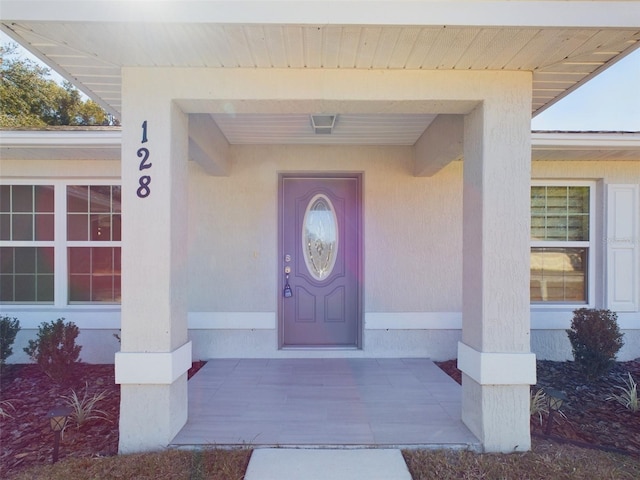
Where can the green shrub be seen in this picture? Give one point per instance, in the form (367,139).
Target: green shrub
(595,340)
(55,350)
(9,328)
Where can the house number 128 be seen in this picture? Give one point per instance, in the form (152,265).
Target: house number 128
(143,153)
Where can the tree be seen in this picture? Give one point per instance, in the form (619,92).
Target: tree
(28,98)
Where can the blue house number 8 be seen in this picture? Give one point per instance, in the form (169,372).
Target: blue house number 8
(143,153)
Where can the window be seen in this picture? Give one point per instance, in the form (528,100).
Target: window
(560,244)
(93,225)
(60,244)
(26,248)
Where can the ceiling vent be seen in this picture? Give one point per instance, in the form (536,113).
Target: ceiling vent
(323,124)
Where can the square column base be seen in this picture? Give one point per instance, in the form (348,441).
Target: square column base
(498,415)
(495,397)
(151,415)
(153,397)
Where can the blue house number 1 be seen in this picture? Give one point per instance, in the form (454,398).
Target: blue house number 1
(143,190)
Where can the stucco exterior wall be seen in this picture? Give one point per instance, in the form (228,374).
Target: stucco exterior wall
(412,230)
(412,243)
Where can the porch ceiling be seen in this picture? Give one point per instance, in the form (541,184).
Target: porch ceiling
(89,42)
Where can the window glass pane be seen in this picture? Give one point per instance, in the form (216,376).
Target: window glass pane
(556,200)
(117,255)
(25,288)
(100,227)
(102,261)
(556,228)
(320,237)
(30,277)
(6,259)
(22,226)
(79,260)
(79,288)
(560,213)
(5,226)
(538,228)
(25,260)
(115,198)
(102,288)
(92,274)
(44,198)
(77,198)
(6,288)
(117,290)
(100,198)
(77,226)
(22,198)
(538,200)
(558,275)
(44,260)
(578,228)
(44,226)
(117,228)
(45,288)
(5,198)
(578,199)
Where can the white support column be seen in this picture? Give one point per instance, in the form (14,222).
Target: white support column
(495,337)
(155,353)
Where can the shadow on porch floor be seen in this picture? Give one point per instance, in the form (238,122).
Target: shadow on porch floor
(353,403)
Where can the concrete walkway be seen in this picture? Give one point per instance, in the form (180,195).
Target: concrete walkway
(326,464)
(324,403)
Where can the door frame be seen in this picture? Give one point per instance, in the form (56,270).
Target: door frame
(358,176)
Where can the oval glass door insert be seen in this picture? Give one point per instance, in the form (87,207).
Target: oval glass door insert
(320,237)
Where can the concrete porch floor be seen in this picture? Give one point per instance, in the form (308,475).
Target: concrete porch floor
(347,403)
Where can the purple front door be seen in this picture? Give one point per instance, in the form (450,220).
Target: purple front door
(320,261)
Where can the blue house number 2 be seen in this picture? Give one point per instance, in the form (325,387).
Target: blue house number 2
(144,190)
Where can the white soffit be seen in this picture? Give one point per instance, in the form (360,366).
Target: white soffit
(61,144)
(349,129)
(585,146)
(564,43)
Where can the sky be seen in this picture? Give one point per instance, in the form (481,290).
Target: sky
(608,102)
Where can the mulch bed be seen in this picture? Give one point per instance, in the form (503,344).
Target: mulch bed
(589,418)
(25,436)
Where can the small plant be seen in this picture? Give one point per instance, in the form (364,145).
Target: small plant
(9,328)
(595,340)
(538,404)
(55,349)
(629,396)
(4,406)
(84,409)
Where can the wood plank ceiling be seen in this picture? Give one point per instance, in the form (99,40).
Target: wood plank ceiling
(560,59)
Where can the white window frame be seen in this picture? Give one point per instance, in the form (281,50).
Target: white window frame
(590,245)
(61,246)
(34,244)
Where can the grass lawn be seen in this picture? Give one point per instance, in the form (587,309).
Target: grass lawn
(167,465)
(546,461)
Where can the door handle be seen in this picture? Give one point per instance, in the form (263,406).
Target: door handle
(287,292)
